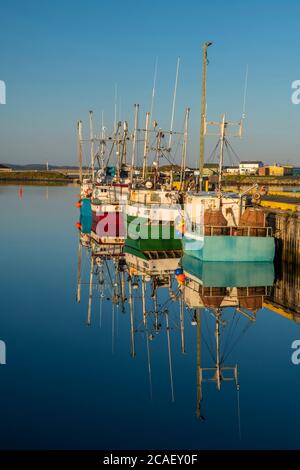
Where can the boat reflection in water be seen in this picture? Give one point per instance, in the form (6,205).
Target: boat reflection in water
(285,294)
(150,272)
(224,292)
(218,300)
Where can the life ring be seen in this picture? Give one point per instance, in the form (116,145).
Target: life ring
(256,197)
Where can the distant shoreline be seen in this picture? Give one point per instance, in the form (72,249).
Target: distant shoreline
(36,177)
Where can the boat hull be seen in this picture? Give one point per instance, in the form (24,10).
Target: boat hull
(86,216)
(145,236)
(229,274)
(230,248)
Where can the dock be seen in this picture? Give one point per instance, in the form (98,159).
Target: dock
(281,200)
(286,228)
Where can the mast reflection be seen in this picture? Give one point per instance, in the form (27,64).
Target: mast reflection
(220,300)
(223,292)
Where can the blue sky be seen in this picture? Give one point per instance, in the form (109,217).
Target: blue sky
(61,58)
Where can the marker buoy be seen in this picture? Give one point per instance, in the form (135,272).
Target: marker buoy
(178,271)
(181,278)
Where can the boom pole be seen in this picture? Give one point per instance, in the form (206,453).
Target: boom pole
(79,128)
(203,109)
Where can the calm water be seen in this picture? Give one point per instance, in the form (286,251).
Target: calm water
(68,385)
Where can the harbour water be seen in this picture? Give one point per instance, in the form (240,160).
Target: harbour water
(68,384)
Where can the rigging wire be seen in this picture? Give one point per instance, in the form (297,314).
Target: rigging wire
(238,339)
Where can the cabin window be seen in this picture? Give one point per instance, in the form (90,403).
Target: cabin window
(155,197)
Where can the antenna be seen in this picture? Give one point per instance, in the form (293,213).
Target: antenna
(154,87)
(120,108)
(92,145)
(116,103)
(245,92)
(174,101)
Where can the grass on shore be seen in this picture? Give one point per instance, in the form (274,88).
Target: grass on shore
(33,176)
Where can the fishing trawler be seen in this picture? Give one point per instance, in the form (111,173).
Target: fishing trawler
(106,187)
(222,228)
(110,190)
(219,226)
(154,208)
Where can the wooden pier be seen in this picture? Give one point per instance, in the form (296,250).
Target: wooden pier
(285,295)
(286,227)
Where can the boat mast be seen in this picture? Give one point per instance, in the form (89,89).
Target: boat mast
(79,129)
(157,155)
(92,145)
(182,323)
(155,308)
(218,361)
(145,321)
(133,156)
(203,109)
(102,141)
(115,110)
(123,291)
(222,134)
(118,147)
(124,144)
(90,291)
(131,305)
(144,301)
(184,147)
(170,356)
(146,146)
(218,376)
(173,105)
(221,160)
(153,88)
(199,372)
(78,295)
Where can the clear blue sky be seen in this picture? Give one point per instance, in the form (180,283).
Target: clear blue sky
(61,58)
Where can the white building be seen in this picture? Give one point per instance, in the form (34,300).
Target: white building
(5,168)
(232,170)
(250,167)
